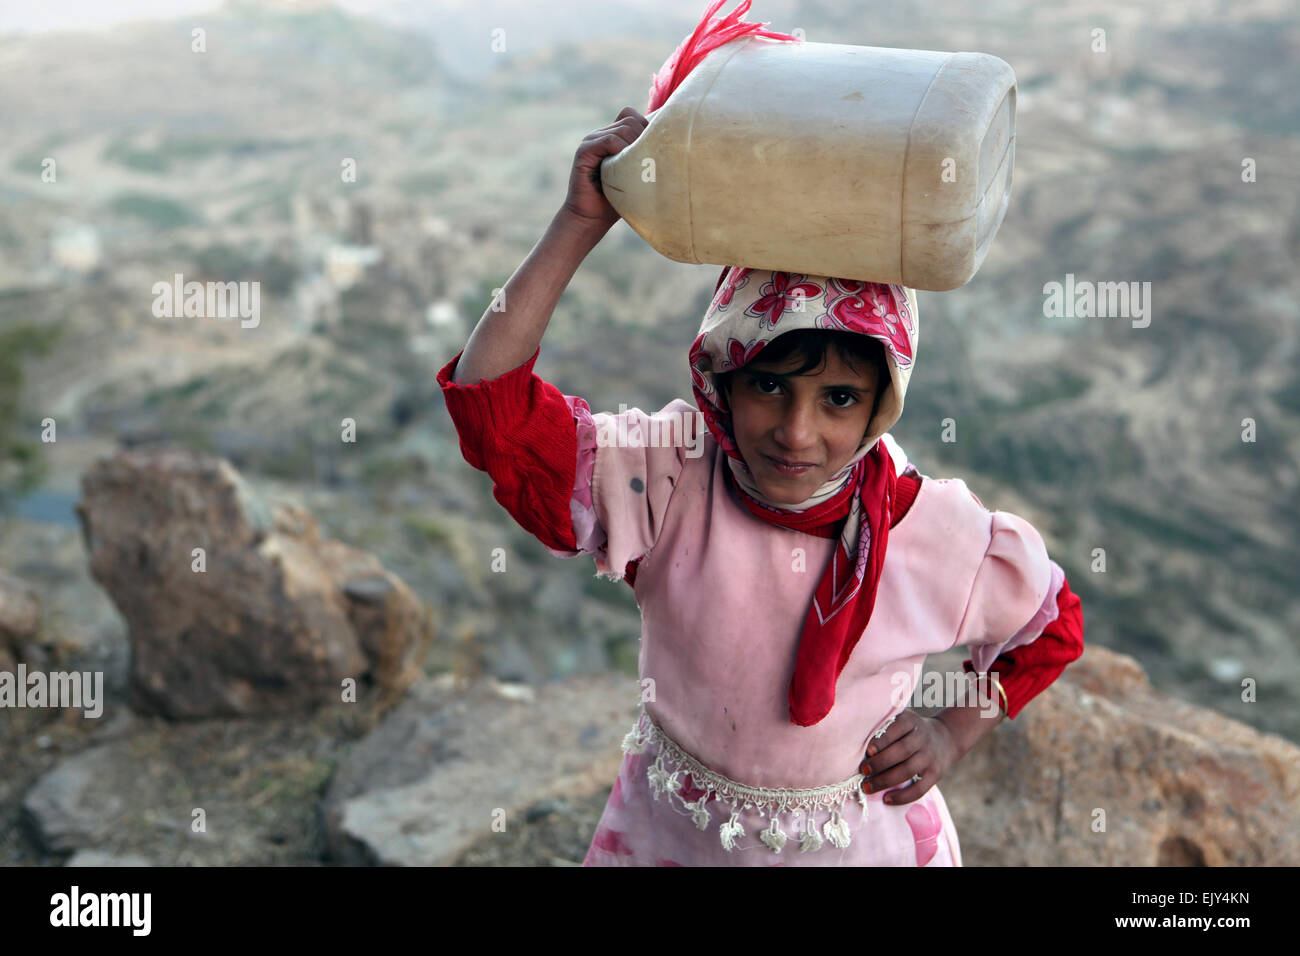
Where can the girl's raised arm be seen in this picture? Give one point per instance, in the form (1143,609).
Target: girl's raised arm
(504,339)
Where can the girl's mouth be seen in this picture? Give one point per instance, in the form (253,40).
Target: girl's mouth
(783,468)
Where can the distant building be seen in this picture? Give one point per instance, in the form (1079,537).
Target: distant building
(436,226)
(346,265)
(75,246)
(446,329)
(442,313)
(318,302)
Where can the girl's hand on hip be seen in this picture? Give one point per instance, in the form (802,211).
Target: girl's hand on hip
(912,744)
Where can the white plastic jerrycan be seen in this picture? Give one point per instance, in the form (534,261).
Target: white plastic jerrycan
(821,158)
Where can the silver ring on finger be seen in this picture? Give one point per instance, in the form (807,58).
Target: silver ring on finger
(916,778)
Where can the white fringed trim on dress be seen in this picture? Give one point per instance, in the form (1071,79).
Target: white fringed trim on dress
(664,776)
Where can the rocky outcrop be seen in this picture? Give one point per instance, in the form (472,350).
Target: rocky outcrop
(450,766)
(233,607)
(20,618)
(1101,770)
(423,784)
(96,858)
(70,807)
(218,792)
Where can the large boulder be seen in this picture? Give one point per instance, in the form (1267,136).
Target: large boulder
(458,764)
(233,607)
(70,807)
(1102,770)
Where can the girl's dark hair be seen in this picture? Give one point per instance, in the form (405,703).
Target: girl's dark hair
(812,344)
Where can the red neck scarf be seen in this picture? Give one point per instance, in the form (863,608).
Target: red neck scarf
(846,594)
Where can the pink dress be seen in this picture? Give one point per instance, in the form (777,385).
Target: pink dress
(714,772)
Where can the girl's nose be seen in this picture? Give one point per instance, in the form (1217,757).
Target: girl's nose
(795,431)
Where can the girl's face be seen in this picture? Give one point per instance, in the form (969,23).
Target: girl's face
(814,422)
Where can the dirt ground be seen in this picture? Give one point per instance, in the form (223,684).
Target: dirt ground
(260,782)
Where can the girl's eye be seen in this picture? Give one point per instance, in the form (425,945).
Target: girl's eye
(852,399)
(758,381)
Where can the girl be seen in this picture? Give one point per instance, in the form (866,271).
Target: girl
(779,646)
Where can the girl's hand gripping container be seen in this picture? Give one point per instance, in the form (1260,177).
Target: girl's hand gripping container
(859,162)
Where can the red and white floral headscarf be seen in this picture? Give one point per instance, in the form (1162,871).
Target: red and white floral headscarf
(750,308)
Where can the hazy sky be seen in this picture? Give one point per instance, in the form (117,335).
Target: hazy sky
(85,14)
(72,14)
(458,29)
(18,16)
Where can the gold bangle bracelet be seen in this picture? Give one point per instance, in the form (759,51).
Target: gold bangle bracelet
(998,684)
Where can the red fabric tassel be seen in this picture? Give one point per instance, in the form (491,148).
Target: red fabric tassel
(707,37)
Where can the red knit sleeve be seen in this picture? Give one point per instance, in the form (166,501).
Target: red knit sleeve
(520,430)
(1027,670)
